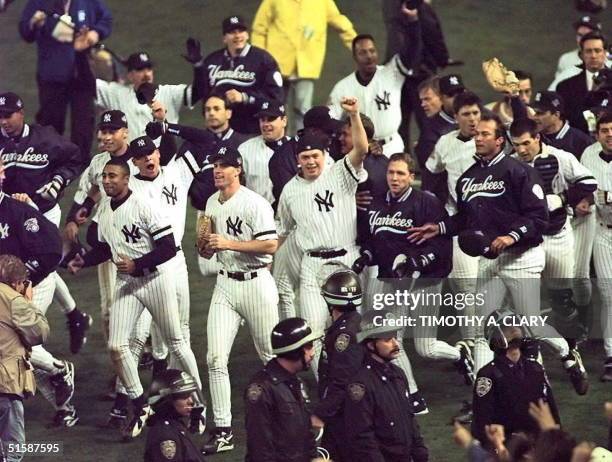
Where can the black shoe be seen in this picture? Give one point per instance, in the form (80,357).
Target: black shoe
(159,366)
(607,374)
(65,418)
(134,427)
(419,406)
(221,440)
(78,325)
(572,364)
(117,419)
(63,384)
(465,364)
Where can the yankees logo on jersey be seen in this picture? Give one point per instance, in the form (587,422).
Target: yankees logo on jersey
(131,235)
(325,203)
(170,194)
(4,230)
(471,188)
(383,102)
(393,223)
(234,226)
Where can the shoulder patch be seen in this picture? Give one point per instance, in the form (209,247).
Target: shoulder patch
(168,449)
(31,225)
(356,391)
(254,392)
(483,386)
(342,342)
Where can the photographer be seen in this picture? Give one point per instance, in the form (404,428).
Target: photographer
(22,326)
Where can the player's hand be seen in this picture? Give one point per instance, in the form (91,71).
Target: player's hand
(582,452)
(28,292)
(375,148)
(316,422)
(71,232)
(22,197)
(156,129)
(217,242)
(583,208)
(233,96)
(411,14)
(194,51)
(496,435)
(85,39)
(363,198)
(158,110)
(350,105)
(608,410)
(420,234)
(52,189)
(500,243)
(540,412)
(125,265)
(76,264)
(462,435)
(81,215)
(38,19)
(360,263)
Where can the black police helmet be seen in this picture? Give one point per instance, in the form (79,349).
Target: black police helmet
(342,290)
(169,384)
(377,324)
(291,335)
(504,320)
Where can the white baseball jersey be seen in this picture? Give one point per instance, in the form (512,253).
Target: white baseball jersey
(602,171)
(131,227)
(322,212)
(454,156)
(169,190)
(256,155)
(246,216)
(379,99)
(113,95)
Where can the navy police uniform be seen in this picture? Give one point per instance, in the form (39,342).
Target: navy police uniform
(167,440)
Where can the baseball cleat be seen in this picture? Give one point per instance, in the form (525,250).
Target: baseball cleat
(607,374)
(134,428)
(117,419)
(221,440)
(572,364)
(63,384)
(78,325)
(65,418)
(465,364)
(419,406)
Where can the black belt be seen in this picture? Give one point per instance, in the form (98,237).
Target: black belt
(383,141)
(146,271)
(327,253)
(239,276)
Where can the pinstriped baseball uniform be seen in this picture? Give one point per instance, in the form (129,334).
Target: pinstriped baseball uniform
(130,228)
(379,100)
(113,95)
(245,216)
(584,236)
(323,215)
(455,155)
(256,154)
(601,166)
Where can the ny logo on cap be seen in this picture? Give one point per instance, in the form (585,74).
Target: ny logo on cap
(141,142)
(234,19)
(555,102)
(143,57)
(123,119)
(107,117)
(281,108)
(538,96)
(222,151)
(19,103)
(604,103)
(265,105)
(453,80)
(2,101)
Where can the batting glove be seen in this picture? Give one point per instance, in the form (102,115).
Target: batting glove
(194,51)
(364,260)
(156,129)
(51,190)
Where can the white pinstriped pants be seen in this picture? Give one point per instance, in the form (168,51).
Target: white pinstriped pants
(463,280)
(584,235)
(255,301)
(602,257)
(559,252)
(286,271)
(107,275)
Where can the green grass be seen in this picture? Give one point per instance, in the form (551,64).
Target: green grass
(528,35)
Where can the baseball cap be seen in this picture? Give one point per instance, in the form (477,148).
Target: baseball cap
(10,102)
(226,155)
(271,108)
(310,141)
(476,243)
(318,117)
(587,21)
(139,60)
(141,146)
(600,100)
(232,23)
(451,84)
(548,101)
(112,119)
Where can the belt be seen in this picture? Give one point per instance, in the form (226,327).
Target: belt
(238,276)
(178,248)
(333,253)
(146,271)
(605,226)
(384,141)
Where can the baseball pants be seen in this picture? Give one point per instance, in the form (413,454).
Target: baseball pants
(463,281)
(602,253)
(254,301)
(286,271)
(107,275)
(559,255)
(584,236)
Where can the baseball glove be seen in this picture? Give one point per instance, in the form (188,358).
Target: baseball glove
(204,228)
(499,77)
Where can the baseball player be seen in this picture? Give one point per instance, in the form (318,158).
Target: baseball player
(140,242)
(41,163)
(114,95)
(597,159)
(566,182)
(244,240)
(246,74)
(318,205)
(502,198)
(379,88)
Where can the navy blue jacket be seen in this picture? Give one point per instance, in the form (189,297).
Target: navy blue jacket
(500,197)
(56,60)
(569,139)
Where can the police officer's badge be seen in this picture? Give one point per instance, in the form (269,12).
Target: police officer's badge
(483,386)
(342,342)
(168,449)
(356,391)
(31,225)
(254,392)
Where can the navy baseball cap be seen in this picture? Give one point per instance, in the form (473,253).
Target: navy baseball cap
(138,61)
(232,23)
(476,243)
(141,146)
(548,101)
(309,142)
(10,102)
(318,117)
(587,21)
(112,119)
(226,155)
(451,84)
(271,108)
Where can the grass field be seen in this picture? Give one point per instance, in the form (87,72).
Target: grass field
(524,34)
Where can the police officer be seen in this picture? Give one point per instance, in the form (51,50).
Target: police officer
(172,398)
(277,422)
(379,423)
(341,358)
(507,385)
